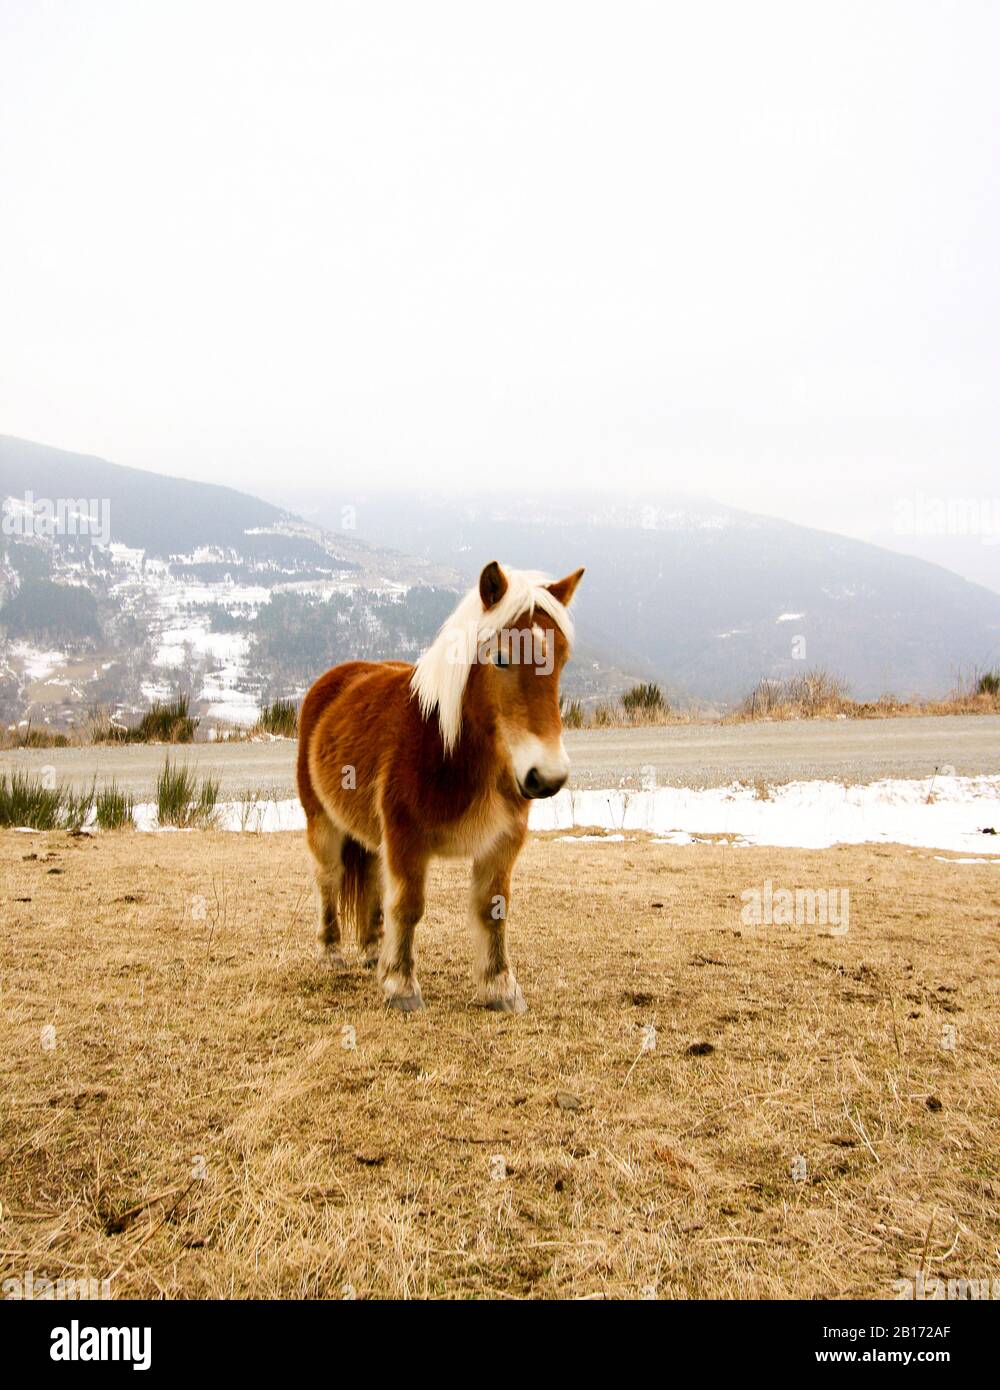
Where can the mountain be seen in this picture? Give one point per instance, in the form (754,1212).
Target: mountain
(709,599)
(118,587)
(147,510)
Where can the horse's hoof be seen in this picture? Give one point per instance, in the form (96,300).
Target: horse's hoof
(405,1003)
(332,961)
(370,962)
(508,1004)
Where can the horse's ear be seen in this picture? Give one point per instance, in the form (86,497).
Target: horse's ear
(564,589)
(492,584)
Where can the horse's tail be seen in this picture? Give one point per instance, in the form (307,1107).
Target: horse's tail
(357,897)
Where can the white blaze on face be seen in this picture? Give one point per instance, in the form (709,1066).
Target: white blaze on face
(549,759)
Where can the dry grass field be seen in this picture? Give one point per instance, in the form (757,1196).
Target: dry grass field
(178,1110)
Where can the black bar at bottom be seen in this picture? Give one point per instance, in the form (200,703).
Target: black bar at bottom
(169,1339)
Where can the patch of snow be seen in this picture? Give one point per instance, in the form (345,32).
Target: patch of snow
(264,816)
(945,859)
(36,663)
(230,705)
(229,647)
(126,555)
(806,815)
(153,692)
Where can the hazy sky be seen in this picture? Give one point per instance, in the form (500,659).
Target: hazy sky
(745,248)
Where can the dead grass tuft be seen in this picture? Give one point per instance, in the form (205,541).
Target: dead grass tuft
(819,695)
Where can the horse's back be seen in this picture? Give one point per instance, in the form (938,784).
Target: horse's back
(345,720)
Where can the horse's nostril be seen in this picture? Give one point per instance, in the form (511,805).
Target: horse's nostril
(535,785)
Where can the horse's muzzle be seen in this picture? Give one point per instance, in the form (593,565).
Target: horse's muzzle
(535,786)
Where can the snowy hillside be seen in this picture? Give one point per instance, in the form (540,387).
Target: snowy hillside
(99,606)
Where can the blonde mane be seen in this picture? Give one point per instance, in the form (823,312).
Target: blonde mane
(442,673)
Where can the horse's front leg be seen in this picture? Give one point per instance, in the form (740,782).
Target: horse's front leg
(496,986)
(404,872)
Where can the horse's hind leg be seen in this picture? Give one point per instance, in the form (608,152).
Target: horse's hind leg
(372,924)
(496,985)
(325,842)
(361,898)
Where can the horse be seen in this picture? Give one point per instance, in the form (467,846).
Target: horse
(398,763)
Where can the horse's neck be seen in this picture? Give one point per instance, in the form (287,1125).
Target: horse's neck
(478,745)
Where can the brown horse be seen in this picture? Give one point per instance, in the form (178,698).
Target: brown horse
(398,763)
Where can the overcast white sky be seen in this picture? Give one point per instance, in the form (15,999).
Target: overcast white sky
(744,248)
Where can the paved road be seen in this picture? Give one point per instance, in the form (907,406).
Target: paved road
(693,755)
(856,750)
